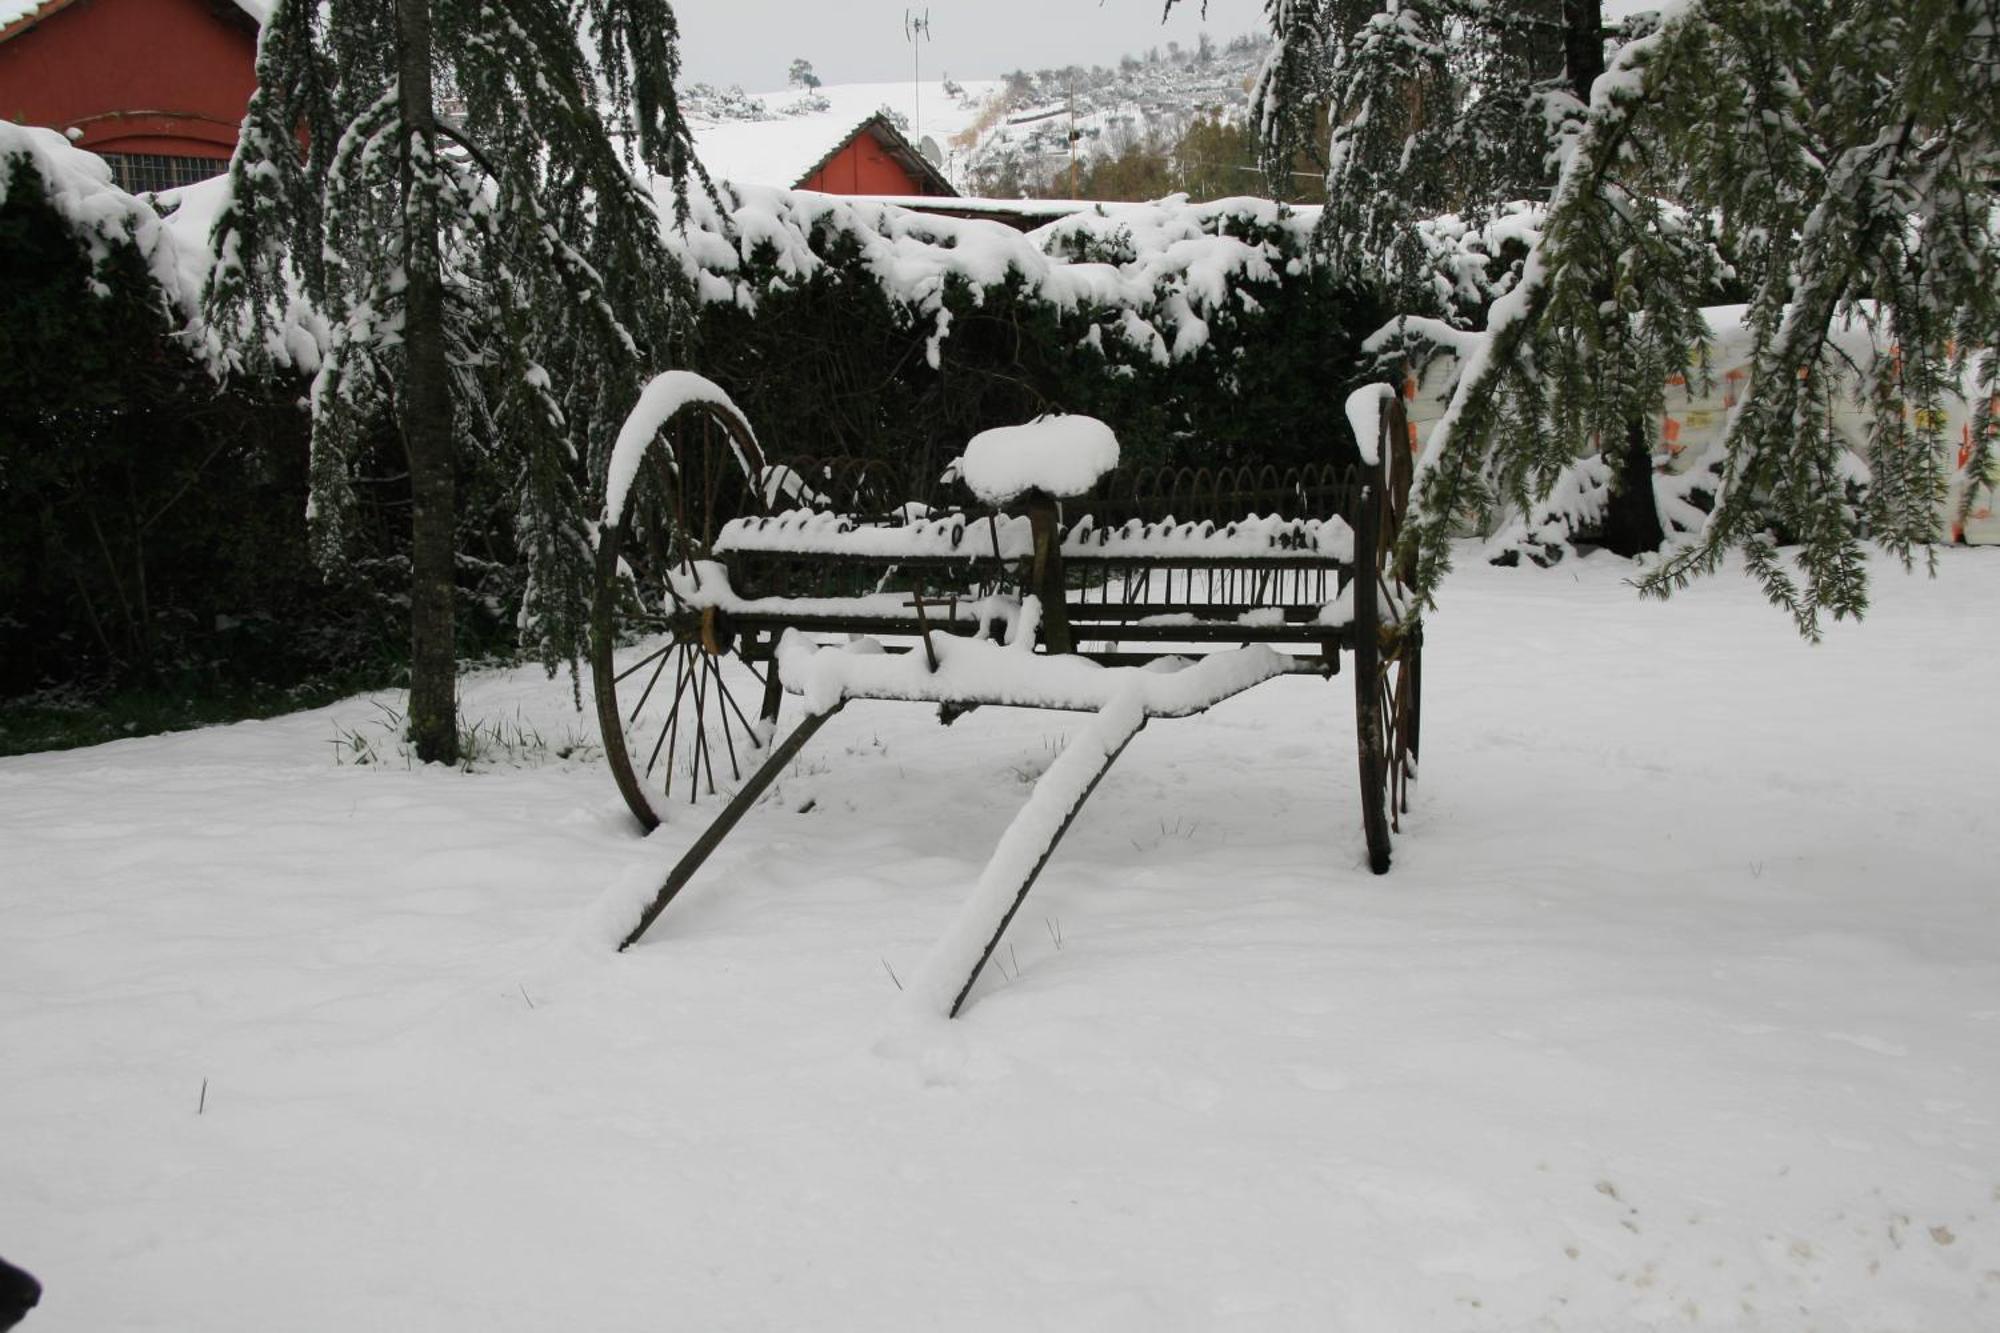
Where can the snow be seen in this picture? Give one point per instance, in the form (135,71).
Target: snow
(175,247)
(78,186)
(947,972)
(664,396)
(1058,455)
(1680,1001)
(1174,269)
(1364,418)
(780,150)
(977,670)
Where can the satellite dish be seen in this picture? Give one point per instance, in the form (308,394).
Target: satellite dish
(932,153)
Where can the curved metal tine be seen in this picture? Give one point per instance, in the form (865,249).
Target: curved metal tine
(1225,499)
(1270,487)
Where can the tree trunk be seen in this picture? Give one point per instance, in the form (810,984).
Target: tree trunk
(1631,514)
(424,409)
(1583,45)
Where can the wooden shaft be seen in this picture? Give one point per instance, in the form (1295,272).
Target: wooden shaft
(1021,894)
(1046,578)
(739,806)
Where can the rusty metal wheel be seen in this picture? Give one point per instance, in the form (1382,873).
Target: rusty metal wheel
(674,695)
(1388,676)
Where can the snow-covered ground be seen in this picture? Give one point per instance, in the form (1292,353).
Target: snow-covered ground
(1679,1009)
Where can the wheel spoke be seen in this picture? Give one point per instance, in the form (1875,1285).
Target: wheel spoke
(728,736)
(647,693)
(700,722)
(662,652)
(673,723)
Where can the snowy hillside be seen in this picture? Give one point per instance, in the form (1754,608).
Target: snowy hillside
(1025,131)
(1678,1010)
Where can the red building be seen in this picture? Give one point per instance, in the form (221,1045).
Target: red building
(872,158)
(157,87)
(875,158)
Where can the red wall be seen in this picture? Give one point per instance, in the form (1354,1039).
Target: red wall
(863,168)
(136,76)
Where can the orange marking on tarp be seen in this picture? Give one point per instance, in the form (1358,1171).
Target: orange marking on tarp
(1670,429)
(1411,427)
(1677,381)
(1410,387)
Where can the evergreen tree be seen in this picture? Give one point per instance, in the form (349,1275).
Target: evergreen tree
(454,184)
(1846,155)
(1433,107)
(1850,153)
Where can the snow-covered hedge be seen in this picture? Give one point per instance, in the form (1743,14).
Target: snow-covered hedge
(1202,332)
(78,186)
(150,516)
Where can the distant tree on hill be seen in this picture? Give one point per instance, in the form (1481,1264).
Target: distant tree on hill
(801,75)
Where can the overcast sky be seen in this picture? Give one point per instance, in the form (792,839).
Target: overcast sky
(753,42)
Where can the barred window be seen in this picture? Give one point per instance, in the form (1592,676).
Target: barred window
(138,173)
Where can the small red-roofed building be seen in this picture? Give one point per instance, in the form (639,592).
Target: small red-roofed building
(871,158)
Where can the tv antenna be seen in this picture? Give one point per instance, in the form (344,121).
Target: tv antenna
(913,28)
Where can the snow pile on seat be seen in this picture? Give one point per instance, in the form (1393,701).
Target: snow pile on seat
(1057,455)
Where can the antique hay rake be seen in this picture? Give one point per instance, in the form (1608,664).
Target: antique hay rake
(1150,592)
